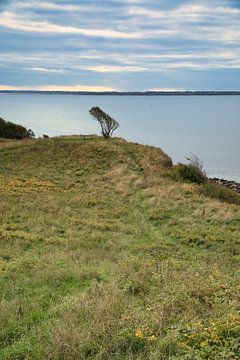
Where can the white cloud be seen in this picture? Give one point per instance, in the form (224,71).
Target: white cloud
(141,26)
(142,22)
(59,88)
(15,22)
(73,63)
(46,6)
(115,68)
(186,22)
(191,12)
(41,69)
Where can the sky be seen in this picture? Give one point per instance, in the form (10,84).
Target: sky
(123,45)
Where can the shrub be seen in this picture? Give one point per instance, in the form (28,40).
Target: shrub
(9,130)
(189,173)
(192,172)
(220,193)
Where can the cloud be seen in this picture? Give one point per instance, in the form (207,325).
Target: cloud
(59,88)
(52,6)
(101,63)
(190,12)
(47,6)
(128,41)
(41,69)
(115,68)
(202,22)
(23,23)
(187,21)
(169,25)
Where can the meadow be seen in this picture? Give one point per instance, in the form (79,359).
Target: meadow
(106,254)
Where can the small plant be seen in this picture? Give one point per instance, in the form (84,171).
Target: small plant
(192,172)
(107,123)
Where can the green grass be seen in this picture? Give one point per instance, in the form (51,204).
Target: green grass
(103,256)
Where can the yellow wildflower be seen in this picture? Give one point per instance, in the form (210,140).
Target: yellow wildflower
(139,334)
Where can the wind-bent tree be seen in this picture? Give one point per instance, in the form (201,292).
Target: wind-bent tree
(107,123)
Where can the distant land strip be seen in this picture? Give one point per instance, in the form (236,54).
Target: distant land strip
(125,93)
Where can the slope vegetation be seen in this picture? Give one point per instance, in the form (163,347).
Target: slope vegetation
(103,255)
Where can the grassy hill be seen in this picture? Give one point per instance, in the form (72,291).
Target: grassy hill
(103,255)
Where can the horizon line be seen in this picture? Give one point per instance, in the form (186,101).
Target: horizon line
(116,91)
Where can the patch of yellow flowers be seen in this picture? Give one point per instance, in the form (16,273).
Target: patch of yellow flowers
(148,335)
(214,334)
(17,185)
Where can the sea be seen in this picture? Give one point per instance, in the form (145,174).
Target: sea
(183,126)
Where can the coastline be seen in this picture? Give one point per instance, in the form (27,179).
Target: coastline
(231,184)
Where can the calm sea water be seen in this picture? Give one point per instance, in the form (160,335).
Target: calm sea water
(207,126)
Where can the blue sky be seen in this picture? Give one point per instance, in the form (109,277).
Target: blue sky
(123,45)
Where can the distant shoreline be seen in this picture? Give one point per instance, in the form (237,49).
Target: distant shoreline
(125,93)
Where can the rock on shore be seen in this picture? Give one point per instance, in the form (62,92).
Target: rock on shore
(227,183)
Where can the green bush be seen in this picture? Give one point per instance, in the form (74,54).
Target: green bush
(220,193)
(190,173)
(9,130)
